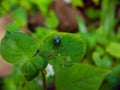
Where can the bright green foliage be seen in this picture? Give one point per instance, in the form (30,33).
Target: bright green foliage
(33,85)
(100,50)
(26,4)
(108,16)
(20,20)
(118,33)
(71,49)
(15,80)
(92,13)
(104,62)
(32,67)
(81,25)
(14,26)
(96,1)
(79,77)
(77,3)
(9,5)
(114,49)
(20,16)
(17,47)
(101,38)
(51,21)
(42,31)
(6,6)
(42,5)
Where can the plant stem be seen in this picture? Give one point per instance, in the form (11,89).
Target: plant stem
(43,72)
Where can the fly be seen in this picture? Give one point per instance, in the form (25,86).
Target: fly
(57,41)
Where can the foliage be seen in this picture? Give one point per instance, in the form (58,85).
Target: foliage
(17,42)
(82,77)
(64,52)
(85,60)
(17,47)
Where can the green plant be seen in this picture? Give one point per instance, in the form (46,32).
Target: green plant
(19,48)
(13,7)
(103,43)
(82,61)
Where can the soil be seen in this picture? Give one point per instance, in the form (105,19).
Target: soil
(5,68)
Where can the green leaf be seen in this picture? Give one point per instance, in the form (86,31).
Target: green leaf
(33,85)
(20,16)
(17,47)
(77,3)
(96,1)
(108,16)
(42,5)
(5,6)
(100,50)
(104,62)
(92,13)
(106,86)
(51,21)
(32,67)
(118,33)
(41,32)
(102,40)
(13,27)
(113,78)
(15,80)
(71,49)
(79,77)
(45,60)
(26,4)
(81,25)
(114,49)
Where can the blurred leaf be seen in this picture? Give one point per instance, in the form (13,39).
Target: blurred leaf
(113,78)
(118,33)
(5,6)
(15,80)
(100,50)
(102,40)
(20,16)
(92,13)
(107,61)
(104,62)
(45,64)
(42,5)
(81,25)
(71,49)
(89,39)
(13,27)
(106,86)
(42,32)
(79,77)
(33,85)
(96,1)
(17,47)
(77,3)
(32,67)
(108,16)
(114,49)
(9,84)
(26,3)
(51,21)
